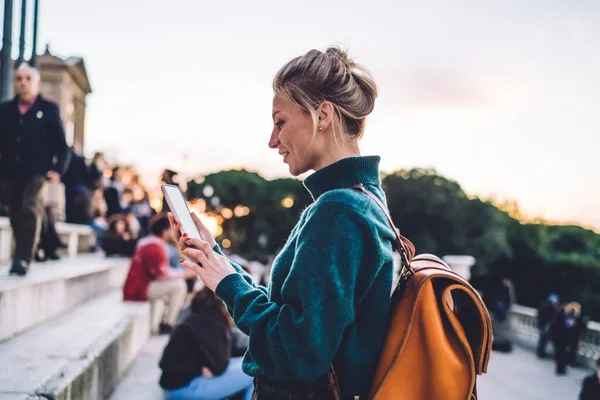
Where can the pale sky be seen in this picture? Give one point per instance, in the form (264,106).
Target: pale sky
(501,96)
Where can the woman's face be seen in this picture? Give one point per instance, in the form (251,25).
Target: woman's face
(292,135)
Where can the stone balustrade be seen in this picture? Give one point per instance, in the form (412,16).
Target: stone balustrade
(523,328)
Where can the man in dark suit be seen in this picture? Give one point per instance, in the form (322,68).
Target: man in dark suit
(590,390)
(32,149)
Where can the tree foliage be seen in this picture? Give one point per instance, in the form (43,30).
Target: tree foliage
(439,218)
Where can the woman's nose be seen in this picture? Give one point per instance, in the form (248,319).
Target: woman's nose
(274,140)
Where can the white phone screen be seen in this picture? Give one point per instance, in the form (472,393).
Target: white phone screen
(178,207)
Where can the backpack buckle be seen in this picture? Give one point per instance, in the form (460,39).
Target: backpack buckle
(402,284)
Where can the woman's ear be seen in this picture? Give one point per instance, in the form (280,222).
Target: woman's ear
(325,115)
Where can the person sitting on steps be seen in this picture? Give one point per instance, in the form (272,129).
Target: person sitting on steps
(150,276)
(197,363)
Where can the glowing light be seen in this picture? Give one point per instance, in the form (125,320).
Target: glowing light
(246,210)
(227,213)
(226,243)
(208,191)
(211,223)
(239,211)
(288,202)
(197,206)
(156,203)
(219,231)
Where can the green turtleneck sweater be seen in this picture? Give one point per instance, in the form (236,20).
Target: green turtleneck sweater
(329,297)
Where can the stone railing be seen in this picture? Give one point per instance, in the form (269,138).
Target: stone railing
(524,330)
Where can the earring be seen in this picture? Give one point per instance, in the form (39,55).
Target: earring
(320,127)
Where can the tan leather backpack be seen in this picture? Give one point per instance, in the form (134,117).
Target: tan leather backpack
(440,333)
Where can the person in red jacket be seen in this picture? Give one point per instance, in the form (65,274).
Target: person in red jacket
(150,276)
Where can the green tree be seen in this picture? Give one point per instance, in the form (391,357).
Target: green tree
(268,216)
(439,218)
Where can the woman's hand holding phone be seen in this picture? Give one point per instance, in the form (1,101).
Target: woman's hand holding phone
(208,265)
(203,230)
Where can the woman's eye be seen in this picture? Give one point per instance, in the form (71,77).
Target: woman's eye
(279,124)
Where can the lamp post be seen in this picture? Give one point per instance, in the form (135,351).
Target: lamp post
(22,33)
(33,61)
(6,63)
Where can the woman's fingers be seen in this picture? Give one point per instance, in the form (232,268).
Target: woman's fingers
(204,232)
(175,226)
(197,257)
(182,240)
(192,266)
(200,255)
(198,223)
(199,244)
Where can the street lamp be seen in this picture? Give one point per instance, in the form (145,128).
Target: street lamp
(33,61)
(22,33)
(6,63)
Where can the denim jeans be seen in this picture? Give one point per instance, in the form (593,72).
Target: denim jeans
(99,230)
(230,382)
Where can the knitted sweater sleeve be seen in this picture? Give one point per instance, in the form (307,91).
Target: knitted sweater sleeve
(298,339)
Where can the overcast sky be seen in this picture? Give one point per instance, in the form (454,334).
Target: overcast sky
(501,96)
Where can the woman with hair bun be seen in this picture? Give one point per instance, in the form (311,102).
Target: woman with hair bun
(328,302)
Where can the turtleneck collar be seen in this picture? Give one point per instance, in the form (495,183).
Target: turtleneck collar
(343,174)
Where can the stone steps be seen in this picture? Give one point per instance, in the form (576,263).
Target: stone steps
(81,354)
(141,381)
(54,287)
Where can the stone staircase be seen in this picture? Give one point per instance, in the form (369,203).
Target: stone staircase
(65,332)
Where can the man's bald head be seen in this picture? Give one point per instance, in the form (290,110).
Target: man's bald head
(27,81)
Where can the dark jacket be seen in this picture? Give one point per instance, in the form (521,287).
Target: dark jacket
(94,177)
(590,389)
(561,333)
(203,339)
(76,172)
(33,143)
(546,314)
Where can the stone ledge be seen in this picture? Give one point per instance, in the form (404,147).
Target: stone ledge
(79,238)
(80,355)
(52,288)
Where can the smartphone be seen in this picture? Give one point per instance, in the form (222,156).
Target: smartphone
(179,208)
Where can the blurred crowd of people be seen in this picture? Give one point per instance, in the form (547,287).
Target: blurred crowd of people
(109,198)
(203,356)
(561,324)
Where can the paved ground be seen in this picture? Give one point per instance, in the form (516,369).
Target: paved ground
(521,376)
(515,376)
(141,381)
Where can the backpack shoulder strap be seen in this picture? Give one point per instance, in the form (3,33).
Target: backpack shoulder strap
(404,246)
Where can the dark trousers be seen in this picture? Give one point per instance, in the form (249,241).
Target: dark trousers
(23,195)
(49,238)
(266,389)
(542,343)
(561,356)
